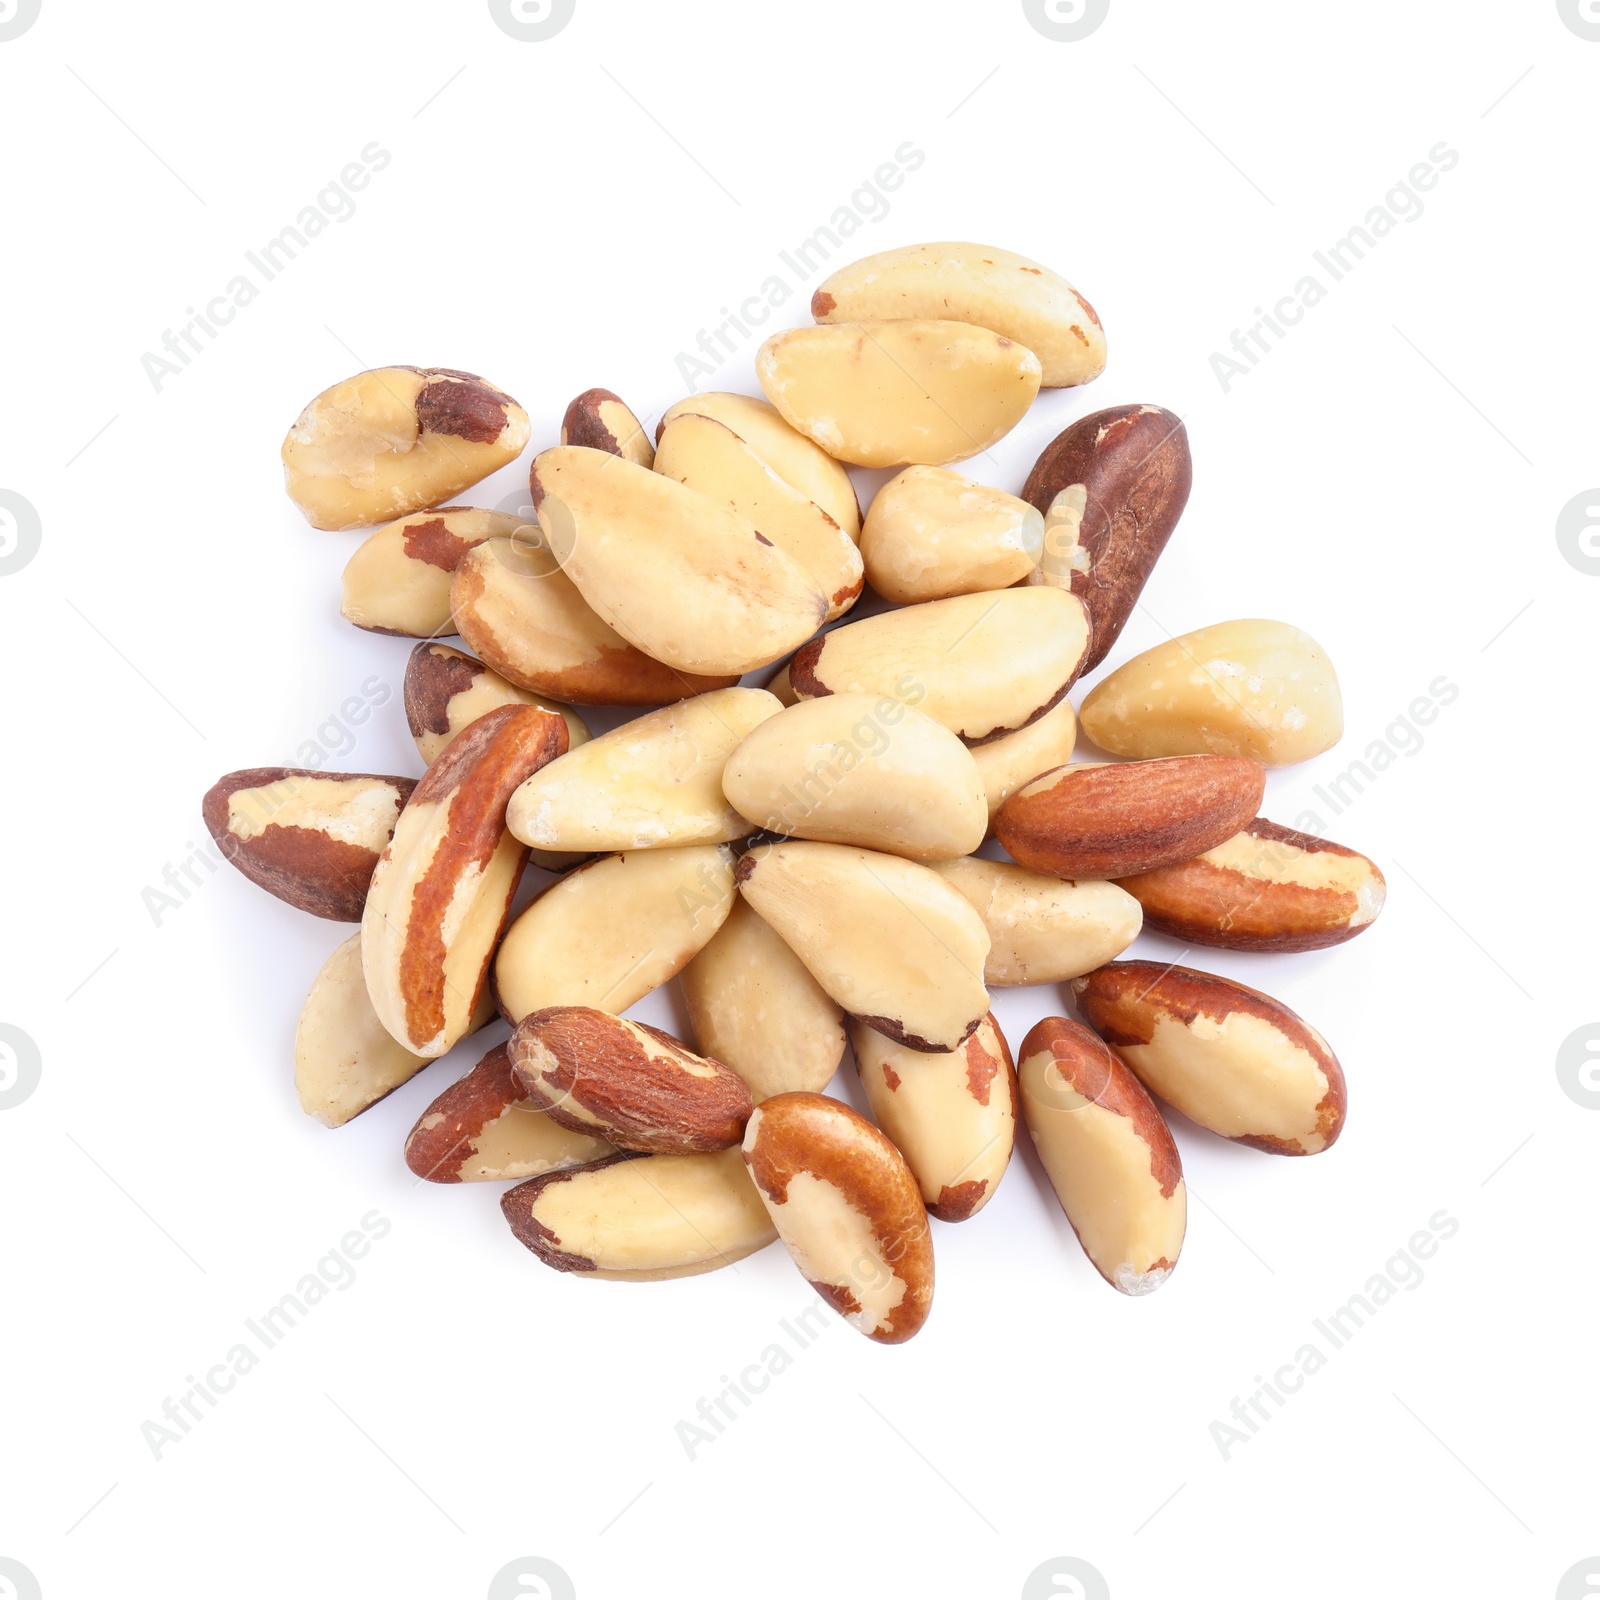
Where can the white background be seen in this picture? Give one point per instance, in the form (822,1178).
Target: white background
(568,213)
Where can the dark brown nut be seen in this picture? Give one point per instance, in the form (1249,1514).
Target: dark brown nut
(599,420)
(311,838)
(398,581)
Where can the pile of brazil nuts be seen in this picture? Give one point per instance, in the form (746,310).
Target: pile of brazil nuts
(804,857)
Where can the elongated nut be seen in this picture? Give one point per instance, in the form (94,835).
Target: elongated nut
(395,440)
(1111,487)
(310,838)
(885,393)
(640,1219)
(522,614)
(708,456)
(888,940)
(753,1005)
(610,932)
(1108,1153)
(1253,688)
(953,1116)
(1010,761)
(398,581)
(442,890)
(1042,930)
(653,782)
(446,691)
(1266,888)
(683,578)
(483,1128)
(1230,1058)
(982,664)
(930,534)
(847,1209)
(974,283)
(1109,821)
(599,420)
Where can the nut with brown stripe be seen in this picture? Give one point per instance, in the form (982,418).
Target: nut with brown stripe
(398,581)
(599,420)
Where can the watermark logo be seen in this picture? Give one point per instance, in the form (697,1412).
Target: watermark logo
(1581,1582)
(531,22)
(1066,1577)
(16,17)
(20,532)
(1583,17)
(1065,21)
(21,1067)
(1578,529)
(1578,1068)
(531,1578)
(530,551)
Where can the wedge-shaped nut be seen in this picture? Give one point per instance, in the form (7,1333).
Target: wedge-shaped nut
(1266,888)
(1111,487)
(847,1209)
(1006,763)
(884,393)
(952,1116)
(599,420)
(612,931)
(442,890)
(889,941)
(1252,688)
(860,769)
(641,1218)
(1042,930)
(398,581)
(708,456)
(1108,1153)
(982,664)
(483,1128)
(1230,1058)
(753,1005)
(678,575)
(1110,820)
(653,782)
(974,283)
(311,838)
(395,440)
(525,618)
(447,690)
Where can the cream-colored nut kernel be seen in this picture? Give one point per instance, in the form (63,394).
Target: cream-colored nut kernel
(610,932)
(860,769)
(1228,1057)
(886,393)
(1041,929)
(599,420)
(889,941)
(1108,1153)
(680,576)
(398,581)
(396,440)
(708,456)
(753,1005)
(641,1218)
(653,782)
(1006,763)
(931,533)
(847,1209)
(975,283)
(982,664)
(1251,688)
(779,687)
(953,1116)
(446,691)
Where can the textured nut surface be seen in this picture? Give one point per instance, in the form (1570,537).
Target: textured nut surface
(974,283)
(599,420)
(395,440)
(612,931)
(1266,888)
(653,782)
(678,575)
(1112,487)
(847,1209)
(885,393)
(982,664)
(1013,759)
(953,1116)
(1252,688)
(446,691)
(1231,1058)
(753,1005)
(890,941)
(860,769)
(398,581)
(642,1218)
(1041,929)
(483,1128)
(310,838)
(1108,1153)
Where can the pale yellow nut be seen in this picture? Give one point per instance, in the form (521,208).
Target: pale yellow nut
(447,690)
(600,420)
(398,581)
(1006,763)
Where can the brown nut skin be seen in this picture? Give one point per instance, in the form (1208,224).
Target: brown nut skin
(633,1085)
(1133,462)
(847,1209)
(398,580)
(1116,820)
(1228,1057)
(599,420)
(265,821)
(1268,888)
